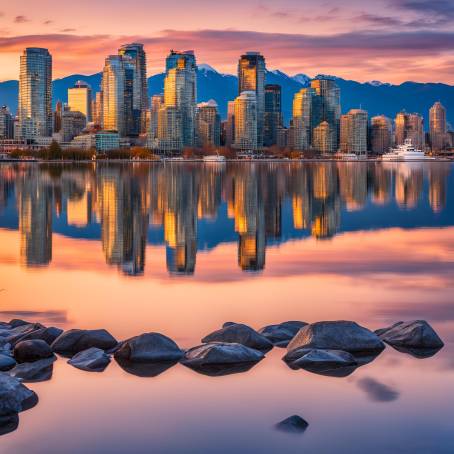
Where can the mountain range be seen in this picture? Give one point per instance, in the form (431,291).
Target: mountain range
(375,97)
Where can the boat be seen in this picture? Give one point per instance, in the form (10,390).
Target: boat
(214,158)
(405,152)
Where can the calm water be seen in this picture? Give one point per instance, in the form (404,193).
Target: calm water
(182,248)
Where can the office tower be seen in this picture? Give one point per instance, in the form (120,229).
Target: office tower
(353,132)
(170,130)
(273,114)
(35,93)
(246,121)
(322,140)
(380,134)
(113,95)
(72,124)
(251,77)
(138,59)
(304,114)
(180,91)
(409,126)
(131,116)
(230,124)
(437,127)
(328,108)
(6,124)
(208,124)
(57,115)
(79,99)
(97,110)
(282,137)
(157,101)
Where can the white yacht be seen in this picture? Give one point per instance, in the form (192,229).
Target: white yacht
(405,152)
(214,158)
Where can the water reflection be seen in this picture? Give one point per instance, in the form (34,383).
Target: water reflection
(190,206)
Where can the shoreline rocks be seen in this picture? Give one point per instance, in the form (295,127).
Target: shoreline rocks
(293,424)
(281,334)
(32,350)
(76,340)
(91,360)
(36,371)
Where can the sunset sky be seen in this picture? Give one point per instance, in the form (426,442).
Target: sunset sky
(388,40)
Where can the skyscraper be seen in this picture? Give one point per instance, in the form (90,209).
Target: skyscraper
(72,124)
(79,99)
(230,124)
(138,58)
(35,93)
(251,77)
(322,140)
(6,124)
(380,134)
(353,132)
(304,114)
(410,126)
(437,127)
(246,121)
(328,108)
(208,124)
(273,114)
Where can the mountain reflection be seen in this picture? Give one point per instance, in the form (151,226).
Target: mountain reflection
(127,205)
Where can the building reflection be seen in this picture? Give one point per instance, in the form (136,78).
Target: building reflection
(267,203)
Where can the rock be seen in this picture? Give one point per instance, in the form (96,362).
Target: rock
(32,350)
(240,334)
(337,335)
(36,371)
(14,396)
(416,337)
(6,362)
(76,340)
(145,369)
(228,324)
(149,348)
(220,358)
(14,334)
(8,423)
(46,334)
(333,363)
(15,322)
(280,335)
(293,424)
(91,360)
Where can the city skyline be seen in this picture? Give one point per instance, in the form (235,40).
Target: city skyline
(392,40)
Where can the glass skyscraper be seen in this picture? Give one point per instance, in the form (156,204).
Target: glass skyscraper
(35,93)
(273,114)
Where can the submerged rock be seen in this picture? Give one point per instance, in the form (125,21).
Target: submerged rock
(293,424)
(7,362)
(281,334)
(152,369)
(8,423)
(36,371)
(240,334)
(91,360)
(14,396)
(147,348)
(337,335)
(416,337)
(76,340)
(32,350)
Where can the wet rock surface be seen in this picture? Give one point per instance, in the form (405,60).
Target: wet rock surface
(293,424)
(14,396)
(76,340)
(32,350)
(36,371)
(7,362)
(281,334)
(91,360)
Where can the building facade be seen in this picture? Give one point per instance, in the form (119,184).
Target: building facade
(246,121)
(273,114)
(208,125)
(409,126)
(79,99)
(353,132)
(380,134)
(438,127)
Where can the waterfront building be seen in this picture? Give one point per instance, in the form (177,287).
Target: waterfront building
(79,99)
(304,116)
(251,77)
(230,124)
(97,109)
(35,93)
(6,124)
(208,124)
(246,121)
(72,124)
(409,126)
(322,140)
(282,137)
(107,141)
(273,114)
(170,130)
(353,132)
(438,127)
(380,134)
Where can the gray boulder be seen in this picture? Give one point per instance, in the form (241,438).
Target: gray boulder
(36,371)
(91,360)
(46,334)
(8,423)
(76,340)
(337,335)
(293,424)
(14,334)
(148,348)
(281,334)
(6,362)
(14,396)
(240,334)
(31,350)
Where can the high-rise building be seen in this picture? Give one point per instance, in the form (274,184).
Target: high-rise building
(208,124)
(410,126)
(353,132)
(97,110)
(273,114)
(380,134)
(437,127)
(180,91)
(72,124)
(251,77)
(246,121)
(322,140)
(157,101)
(35,93)
(6,124)
(304,114)
(230,124)
(138,59)
(328,108)
(113,95)
(79,99)
(170,130)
